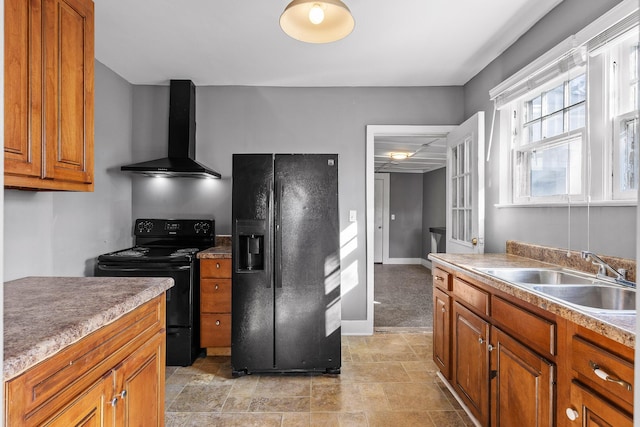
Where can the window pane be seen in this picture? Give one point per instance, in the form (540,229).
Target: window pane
(553,125)
(577,89)
(553,100)
(468,227)
(461,224)
(555,170)
(533,109)
(454,161)
(463,193)
(627,152)
(454,189)
(576,117)
(533,132)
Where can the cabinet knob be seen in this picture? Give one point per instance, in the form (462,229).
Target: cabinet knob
(438,278)
(490,347)
(217,323)
(216,287)
(114,401)
(481,340)
(123,394)
(444,310)
(217,265)
(572,414)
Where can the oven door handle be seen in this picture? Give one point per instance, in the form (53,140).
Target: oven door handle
(135,269)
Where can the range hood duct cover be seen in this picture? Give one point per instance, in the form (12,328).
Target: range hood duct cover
(182,139)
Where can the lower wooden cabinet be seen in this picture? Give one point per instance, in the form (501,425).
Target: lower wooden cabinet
(215,305)
(441,333)
(471,361)
(115,376)
(90,409)
(522,384)
(590,410)
(515,364)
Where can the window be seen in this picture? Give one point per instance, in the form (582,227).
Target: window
(548,140)
(569,120)
(623,63)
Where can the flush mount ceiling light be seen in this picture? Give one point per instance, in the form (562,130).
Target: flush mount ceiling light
(398,156)
(317,21)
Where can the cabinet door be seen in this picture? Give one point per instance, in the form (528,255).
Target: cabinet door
(140,386)
(522,390)
(471,361)
(442,331)
(590,410)
(23,88)
(90,409)
(68,91)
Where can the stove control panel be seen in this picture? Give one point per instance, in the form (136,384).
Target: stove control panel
(174,227)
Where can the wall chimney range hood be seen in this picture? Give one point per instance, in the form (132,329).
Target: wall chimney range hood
(182,139)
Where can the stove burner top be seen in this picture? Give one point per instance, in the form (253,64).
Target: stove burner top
(133,252)
(183,251)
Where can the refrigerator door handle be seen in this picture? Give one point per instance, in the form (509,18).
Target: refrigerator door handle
(278,236)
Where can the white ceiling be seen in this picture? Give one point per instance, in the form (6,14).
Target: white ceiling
(239,42)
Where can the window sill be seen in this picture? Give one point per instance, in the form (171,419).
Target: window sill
(600,203)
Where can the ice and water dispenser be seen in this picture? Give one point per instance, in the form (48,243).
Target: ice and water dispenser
(250,245)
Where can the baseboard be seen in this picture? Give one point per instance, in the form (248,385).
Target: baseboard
(426,263)
(403,261)
(357,327)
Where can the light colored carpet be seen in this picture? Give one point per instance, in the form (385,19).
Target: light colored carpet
(403,297)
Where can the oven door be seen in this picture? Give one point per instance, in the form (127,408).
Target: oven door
(180,298)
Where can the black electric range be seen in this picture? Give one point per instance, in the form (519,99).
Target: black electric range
(168,248)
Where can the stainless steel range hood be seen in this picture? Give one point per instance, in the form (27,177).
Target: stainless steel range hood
(182,139)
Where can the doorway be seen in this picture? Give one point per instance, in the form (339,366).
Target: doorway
(379,132)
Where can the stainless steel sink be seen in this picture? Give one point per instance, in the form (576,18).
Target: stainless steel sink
(598,297)
(580,290)
(535,276)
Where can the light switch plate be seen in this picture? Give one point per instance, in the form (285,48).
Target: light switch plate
(393,217)
(352,216)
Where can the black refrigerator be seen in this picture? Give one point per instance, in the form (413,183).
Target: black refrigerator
(285,305)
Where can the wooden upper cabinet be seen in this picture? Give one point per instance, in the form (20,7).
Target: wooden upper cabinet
(49,94)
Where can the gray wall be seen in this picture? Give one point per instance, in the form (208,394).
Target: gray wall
(264,119)
(606,230)
(49,233)
(434,205)
(405,202)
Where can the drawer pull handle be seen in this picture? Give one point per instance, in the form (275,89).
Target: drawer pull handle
(572,414)
(217,323)
(438,278)
(606,377)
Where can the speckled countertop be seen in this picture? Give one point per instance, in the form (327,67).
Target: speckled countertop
(620,328)
(43,315)
(222,249)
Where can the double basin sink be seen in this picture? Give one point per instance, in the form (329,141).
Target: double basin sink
(581,290)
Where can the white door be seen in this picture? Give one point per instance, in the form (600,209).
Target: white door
(465,187)
(378,242)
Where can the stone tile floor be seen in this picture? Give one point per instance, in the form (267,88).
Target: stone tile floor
(387,379)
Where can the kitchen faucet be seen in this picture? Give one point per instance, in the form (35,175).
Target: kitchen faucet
(620,275)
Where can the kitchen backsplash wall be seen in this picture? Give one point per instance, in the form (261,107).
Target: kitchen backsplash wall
(569,258)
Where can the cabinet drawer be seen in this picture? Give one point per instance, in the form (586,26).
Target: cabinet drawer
(216,268)
(592,410)
(474,297)
(615,379)
(215,295)
(215,330)
(442,279)
(532,329)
